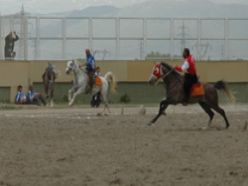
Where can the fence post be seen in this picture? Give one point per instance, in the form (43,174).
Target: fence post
(90,33)
(226,38)
(172,41)
(64,38)
(25,20)
(198,46)
(37,41)
(143,53)
(117,35)
(1,38)
(24,35)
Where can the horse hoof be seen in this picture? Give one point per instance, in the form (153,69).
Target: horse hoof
(204,128)
(70,104)
(149,124)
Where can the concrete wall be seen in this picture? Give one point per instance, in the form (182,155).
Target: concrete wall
(13,73)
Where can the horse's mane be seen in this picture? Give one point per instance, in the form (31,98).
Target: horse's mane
(76,61)
(167,66)
(170,68)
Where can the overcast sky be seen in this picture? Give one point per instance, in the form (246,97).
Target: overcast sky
(49,6)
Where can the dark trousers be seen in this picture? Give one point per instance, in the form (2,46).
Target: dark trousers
(91,82)
(189,80)
(96,100)
(37,100)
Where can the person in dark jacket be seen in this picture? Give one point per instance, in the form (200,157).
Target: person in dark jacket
(10,40)
(90,67)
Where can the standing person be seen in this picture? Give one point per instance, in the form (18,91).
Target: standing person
(190,76)
(35,97)
(20,96)
(90,68)
(10,40)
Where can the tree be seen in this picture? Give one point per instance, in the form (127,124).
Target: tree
(156,55)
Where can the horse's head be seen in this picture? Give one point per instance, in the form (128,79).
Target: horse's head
(70,66)
(156,74)
(160,70)
(50,74)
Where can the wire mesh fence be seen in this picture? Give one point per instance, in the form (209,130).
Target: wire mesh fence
(56,38)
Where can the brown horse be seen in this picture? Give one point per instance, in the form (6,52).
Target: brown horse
(175,93)
(48,78)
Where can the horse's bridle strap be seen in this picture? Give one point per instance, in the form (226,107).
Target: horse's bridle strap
(168,73)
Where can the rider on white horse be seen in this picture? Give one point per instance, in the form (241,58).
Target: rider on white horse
(90,67)
(81,80)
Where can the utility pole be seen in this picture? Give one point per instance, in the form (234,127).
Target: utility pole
(202,50)
(183,37)
(142,50)
(24,32)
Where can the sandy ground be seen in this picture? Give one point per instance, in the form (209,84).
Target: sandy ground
(74,146)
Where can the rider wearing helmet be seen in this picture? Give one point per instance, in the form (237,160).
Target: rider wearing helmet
(190,76)
(90,68)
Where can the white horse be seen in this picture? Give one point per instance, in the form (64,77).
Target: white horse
(81,82)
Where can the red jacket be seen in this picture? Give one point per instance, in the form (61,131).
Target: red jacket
(188,66)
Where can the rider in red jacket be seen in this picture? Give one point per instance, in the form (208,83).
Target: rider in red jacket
(190,76)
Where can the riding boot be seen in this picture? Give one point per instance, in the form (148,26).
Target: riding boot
(187,89)
(91,83)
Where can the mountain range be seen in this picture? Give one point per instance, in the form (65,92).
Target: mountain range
(164,8)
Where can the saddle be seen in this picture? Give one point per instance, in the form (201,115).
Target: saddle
(94,82)
(98,81)
(197,90)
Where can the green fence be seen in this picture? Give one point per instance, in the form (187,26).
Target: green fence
(138,93)
(135,93)
(4,94)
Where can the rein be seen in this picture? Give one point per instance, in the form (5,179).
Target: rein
(165,75)
(168,73)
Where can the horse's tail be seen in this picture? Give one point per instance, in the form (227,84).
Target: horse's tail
(221,85)
(109,76)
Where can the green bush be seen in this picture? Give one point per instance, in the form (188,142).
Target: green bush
(125,98)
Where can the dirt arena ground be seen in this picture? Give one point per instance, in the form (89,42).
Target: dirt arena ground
(75,147)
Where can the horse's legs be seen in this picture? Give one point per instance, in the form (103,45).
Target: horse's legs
(71,92)
(221,112)
(79,91)
(46,91)
(49,93)
(207,109)
(105,102)
(51,96)
(163,106)
(41,98)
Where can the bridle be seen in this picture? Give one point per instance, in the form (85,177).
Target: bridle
(168,73)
